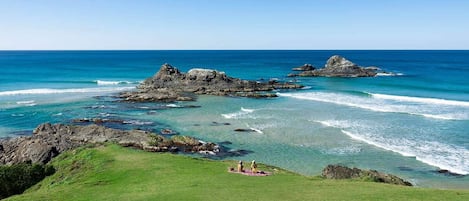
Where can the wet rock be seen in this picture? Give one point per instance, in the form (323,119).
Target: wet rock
(214,123)
(244,130)
(338,66)
(342,172)
(448,173)
(169,85)
(167,131)
(97,121)
(305,67)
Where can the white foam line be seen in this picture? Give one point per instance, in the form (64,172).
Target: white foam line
(403,153)
(420,100)
(235,115)
(255,129)
(346,100)
(104,82)
(59,91)
(247,110)
(25,102)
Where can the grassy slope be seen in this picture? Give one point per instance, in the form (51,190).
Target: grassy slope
(115,173)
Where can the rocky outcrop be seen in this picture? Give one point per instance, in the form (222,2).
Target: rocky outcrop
(342,172)
(170,84)
(338,66)
(305,67)
(50,140)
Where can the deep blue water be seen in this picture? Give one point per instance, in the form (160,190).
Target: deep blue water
(419,118)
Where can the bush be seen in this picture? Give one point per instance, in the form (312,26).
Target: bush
(15,179)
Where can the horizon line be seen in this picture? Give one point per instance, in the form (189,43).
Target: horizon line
(234,49)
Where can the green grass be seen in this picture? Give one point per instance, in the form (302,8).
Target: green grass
(114,173)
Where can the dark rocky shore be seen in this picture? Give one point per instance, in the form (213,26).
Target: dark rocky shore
(342,172)
(50,140)
(169,84)
(336,66)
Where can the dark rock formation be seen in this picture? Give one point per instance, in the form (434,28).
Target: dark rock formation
(244,130)
(169,84)
(338,66)
(342,172)
(50,140)
(305,67)
(448,173)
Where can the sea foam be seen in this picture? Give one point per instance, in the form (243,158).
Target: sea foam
(444,156)
(435,101)
(425,107)
(59,91)
(104,82)
(243,113)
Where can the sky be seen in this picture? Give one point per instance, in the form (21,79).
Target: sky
(233,24)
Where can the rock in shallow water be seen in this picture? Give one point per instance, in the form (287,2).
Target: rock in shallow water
(169,84)
(338,66)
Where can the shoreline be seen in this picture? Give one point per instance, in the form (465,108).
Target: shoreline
(259,125)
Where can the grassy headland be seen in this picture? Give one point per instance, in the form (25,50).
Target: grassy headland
(114,173)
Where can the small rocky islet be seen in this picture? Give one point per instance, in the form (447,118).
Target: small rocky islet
(336,66)
(169,85)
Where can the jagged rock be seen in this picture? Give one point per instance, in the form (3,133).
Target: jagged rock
(305,67)
(342,172)
(50,140)
(169,84)
(337,66)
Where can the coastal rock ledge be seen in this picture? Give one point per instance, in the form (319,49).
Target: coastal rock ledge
(50,140)
(338,66)
(342,172)
(169,84)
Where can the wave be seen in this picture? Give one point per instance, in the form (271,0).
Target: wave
(240,114)
(103,82)
(247,110)
(444,156)
(137,122)
(382,74)
(60,91)
(172,105)
(25,102)
(436,101)
(257,129)
(425,107)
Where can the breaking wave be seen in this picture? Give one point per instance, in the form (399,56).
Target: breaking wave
(242,113)
(435,101)
(60,91)
(444,156)
(426,107)
(104,82)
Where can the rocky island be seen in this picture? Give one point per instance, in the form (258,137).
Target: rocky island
(337,66)
(169,84)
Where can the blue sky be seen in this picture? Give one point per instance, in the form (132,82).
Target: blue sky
(233,24)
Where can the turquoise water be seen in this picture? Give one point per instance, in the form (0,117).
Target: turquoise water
(410,124)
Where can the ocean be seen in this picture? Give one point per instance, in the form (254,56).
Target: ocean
(410,124)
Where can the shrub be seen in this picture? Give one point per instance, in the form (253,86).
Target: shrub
(15,179)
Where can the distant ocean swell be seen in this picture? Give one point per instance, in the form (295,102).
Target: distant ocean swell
(60,91)
(444,156)
(427,107)
(104,82)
